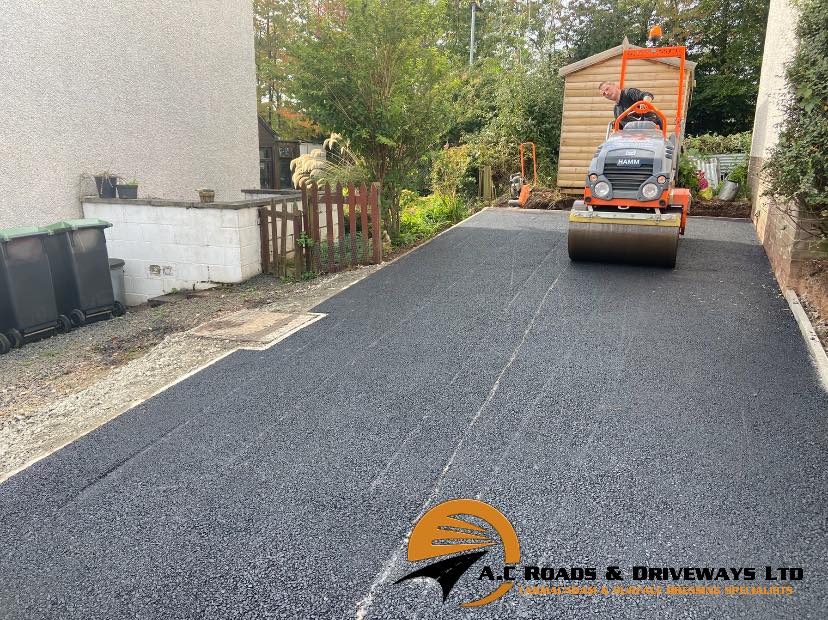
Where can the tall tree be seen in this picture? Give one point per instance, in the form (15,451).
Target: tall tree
(276,24)
(378,75)
(727,41)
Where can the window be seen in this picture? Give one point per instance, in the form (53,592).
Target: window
(266,167)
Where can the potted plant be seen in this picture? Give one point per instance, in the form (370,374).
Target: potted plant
(128,190)
(207,195)
(106,182)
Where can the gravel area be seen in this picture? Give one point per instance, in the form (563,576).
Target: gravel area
(61,388)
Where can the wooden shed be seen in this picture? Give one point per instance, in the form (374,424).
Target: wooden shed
(586,113)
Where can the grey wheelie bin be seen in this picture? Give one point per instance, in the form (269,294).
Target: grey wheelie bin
(80,270)
(27,299)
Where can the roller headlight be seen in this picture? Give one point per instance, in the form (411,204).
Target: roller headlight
(602,189)
(650,191)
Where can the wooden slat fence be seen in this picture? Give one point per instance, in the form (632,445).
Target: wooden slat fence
(335,229)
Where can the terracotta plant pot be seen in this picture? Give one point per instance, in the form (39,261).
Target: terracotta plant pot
(207,195)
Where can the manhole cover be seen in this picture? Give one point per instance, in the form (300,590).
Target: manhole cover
(257,326)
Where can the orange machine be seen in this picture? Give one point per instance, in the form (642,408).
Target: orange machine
(631,210)
(519,188)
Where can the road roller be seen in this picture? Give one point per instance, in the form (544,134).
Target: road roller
(631,211)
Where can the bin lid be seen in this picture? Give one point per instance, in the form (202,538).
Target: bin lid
(116,263)
(66,225)
(8,234)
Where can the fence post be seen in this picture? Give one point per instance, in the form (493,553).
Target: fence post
(264,239)
(283,247)
(298,250)
(315,234)
(329,236)
(363,209)
(340,222)
(274,233)
(375,225)
(352,227)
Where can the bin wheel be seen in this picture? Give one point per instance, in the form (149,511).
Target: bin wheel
(15,337)
(118,309)
(64,325)
(5,345)
(77,317)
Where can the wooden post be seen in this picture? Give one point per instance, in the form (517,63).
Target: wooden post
(340,222)
(363,209)
(274,233)
(264,239)
(329,236)
(298,250)
(306,227)
(315,234)
(375,225)
(283,248)
(352,225)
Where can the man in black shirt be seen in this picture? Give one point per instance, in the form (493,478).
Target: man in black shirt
(626,97)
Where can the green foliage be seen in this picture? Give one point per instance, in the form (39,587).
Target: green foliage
(377,75)
(424,217)
(276,24)
(797,169)
(687,175)
(522,105)
(714,144)
(739,174)
(452,171)
(343,253)
(726,40)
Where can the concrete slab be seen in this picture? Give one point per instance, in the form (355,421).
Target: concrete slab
(254,326)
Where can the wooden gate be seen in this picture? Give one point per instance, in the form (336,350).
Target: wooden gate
(334,230)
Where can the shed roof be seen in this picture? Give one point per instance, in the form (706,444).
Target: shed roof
(612,52)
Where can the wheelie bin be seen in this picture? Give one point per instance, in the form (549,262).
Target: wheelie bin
(80,270)
(27,298)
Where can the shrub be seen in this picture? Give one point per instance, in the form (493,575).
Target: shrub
(453,171)
(687,176)
(714,144)
(797,169)
(424,217)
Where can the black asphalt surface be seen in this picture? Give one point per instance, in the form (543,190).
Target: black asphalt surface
(616,415)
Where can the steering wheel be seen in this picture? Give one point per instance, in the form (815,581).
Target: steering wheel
(640,109)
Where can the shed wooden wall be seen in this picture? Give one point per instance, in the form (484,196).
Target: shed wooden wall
(586,113)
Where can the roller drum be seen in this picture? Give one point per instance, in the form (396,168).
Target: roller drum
(623,243)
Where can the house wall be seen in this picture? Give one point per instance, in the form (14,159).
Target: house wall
(586,113)
(160,91)
(786,236)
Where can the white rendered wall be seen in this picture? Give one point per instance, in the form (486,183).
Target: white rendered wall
(780,46)
(160,90)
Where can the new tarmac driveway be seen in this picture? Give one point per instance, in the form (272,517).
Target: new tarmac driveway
(616,415)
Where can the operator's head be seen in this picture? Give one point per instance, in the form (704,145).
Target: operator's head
(610,90)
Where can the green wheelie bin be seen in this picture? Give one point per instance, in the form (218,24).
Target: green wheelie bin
(80,270)
(27,298)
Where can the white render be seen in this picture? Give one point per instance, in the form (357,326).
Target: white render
(161,91)
(780,46)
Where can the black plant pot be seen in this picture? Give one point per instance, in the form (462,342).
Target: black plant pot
(128,192)
(106,186)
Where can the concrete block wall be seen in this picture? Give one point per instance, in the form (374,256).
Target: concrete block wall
(170,245)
